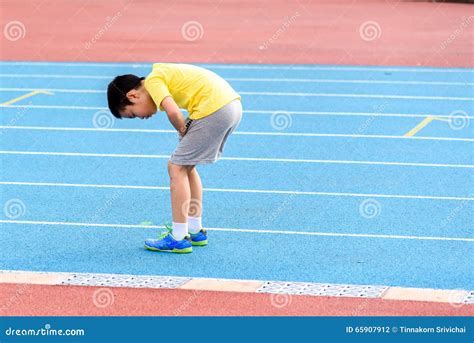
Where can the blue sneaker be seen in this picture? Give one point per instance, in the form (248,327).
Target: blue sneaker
(200,238)
(167,243)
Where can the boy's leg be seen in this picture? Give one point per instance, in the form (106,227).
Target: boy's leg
(180,195)
(194,210)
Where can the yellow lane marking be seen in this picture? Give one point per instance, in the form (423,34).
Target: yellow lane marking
(420,126)
(24,96)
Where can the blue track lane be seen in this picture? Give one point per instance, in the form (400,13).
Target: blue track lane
(287,103)
(243,256)
(251,85)
(250,255)
(248,175)
(425,218)
(333,148)
(300,123)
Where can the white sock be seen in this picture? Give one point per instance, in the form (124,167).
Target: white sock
(194,224)
(179,230)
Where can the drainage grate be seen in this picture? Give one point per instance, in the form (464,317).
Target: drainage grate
(321,289)
(118,280)
(469,299)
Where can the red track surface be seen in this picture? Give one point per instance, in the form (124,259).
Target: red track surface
(322,32)
(39,300)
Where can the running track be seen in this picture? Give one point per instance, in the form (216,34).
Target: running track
(319,184)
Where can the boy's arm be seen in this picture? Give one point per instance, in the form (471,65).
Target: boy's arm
(174,114)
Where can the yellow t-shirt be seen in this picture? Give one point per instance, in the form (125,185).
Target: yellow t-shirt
(198,90)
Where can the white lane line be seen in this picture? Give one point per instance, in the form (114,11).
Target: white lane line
(310,113)
(93,129)
(351,114)
(59,107)
(252,67)
(351,95)
(60,76)
(356,81)
(243,79)
(279,94)
(59,90)
(273,232)
(245,133)
(224,190)
(253,159)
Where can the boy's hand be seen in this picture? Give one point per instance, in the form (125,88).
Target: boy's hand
(174,115)
(182,131)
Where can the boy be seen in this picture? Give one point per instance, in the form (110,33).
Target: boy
(214,113)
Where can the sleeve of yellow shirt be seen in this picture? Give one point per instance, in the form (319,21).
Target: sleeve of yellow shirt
(157,89)
(199,91)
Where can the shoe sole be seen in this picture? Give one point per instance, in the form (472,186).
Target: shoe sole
(199,244)
(176,251)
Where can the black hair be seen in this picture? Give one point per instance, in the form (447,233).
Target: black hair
(117,92)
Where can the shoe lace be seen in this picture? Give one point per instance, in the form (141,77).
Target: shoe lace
(167,232)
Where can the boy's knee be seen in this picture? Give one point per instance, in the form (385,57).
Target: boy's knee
(175,170)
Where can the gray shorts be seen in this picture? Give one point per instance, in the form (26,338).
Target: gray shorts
(205,139)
